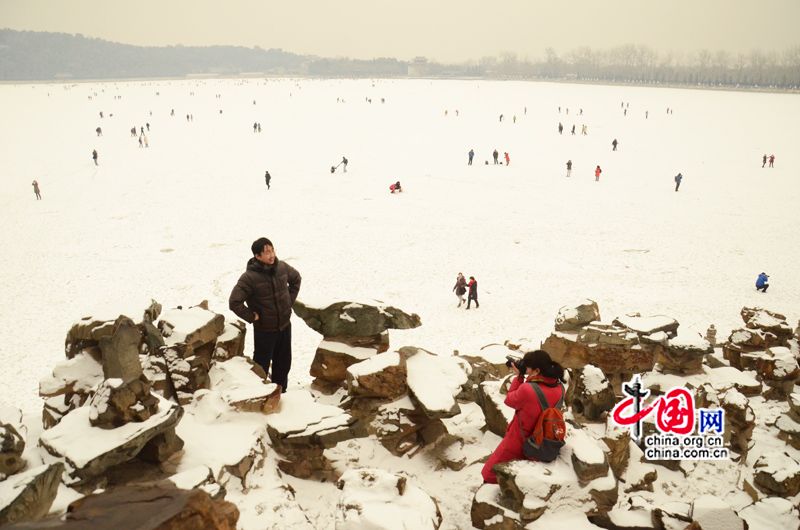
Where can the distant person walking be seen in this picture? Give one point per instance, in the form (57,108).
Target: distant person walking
(762,282)
(267,178)
(771,160)
(508,158)
(344,164)
(764,160)
(471,155)
(460,288)
(495,155)
(678,179)
(573,129)
(473,292)
(94,156)
(597,172)
(99,131)
(36,191)
(569,168)
(560,128)
(614,145)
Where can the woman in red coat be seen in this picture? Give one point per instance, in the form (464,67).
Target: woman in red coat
(540,369)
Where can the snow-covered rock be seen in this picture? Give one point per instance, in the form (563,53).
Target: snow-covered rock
(242,388)
(379,500)
(496,412)
(332,359)
(12,444)
(434,381)
(771,513)
(588,458)
(648,325)
(590,394)
(768,321)
(29,495)
(88,451)
(70,386)
(381,376)
(777,474)
(195,327)
(712,513)
(684,355)
(488,513)
(216,436)
(572,318)
(302,428)
(231,342)
(351,319)
(532,488)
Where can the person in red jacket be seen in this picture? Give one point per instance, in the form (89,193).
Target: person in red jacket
(597,172)
(540,369)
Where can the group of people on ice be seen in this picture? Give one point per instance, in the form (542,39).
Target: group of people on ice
(770,159)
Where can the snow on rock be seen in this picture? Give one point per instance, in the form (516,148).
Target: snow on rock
(487,512)
(380,500)
(768,321)
(69,386)
(12,445)
(684,354)
(492,402)
(29,495)
(198,477)
(231,343)
(770,513)
(303,428)
(715,514)
(487,364)
(434,381)
(88,451)
(588,458)
(85,334)
(572,318)
(217,437)
(728,377)
(625,518)
(777,474)
(531,488)
(332,359)
(195,326)
(590,394)
(382,376)
(242,388)
(360,320)
(648,325)
(563,520)
(639,474)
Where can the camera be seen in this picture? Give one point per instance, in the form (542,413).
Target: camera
(516,361)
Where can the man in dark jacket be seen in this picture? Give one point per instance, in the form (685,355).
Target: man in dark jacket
(264,296)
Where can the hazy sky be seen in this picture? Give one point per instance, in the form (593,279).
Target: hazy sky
(446,30)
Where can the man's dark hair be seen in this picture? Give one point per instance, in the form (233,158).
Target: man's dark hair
(258,245)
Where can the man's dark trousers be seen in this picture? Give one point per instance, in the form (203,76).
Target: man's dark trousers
(274,347)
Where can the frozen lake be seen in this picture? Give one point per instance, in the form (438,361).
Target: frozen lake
(175,221)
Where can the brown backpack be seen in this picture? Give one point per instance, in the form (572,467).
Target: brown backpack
(547,437)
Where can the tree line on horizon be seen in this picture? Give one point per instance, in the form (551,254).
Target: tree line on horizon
(35,56)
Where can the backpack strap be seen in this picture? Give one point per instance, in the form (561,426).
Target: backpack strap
(543,401)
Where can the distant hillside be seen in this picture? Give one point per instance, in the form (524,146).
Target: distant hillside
(29,55)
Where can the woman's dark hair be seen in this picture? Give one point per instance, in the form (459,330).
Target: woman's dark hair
(547,367)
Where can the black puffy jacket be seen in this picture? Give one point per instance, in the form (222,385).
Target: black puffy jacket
(269,290)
